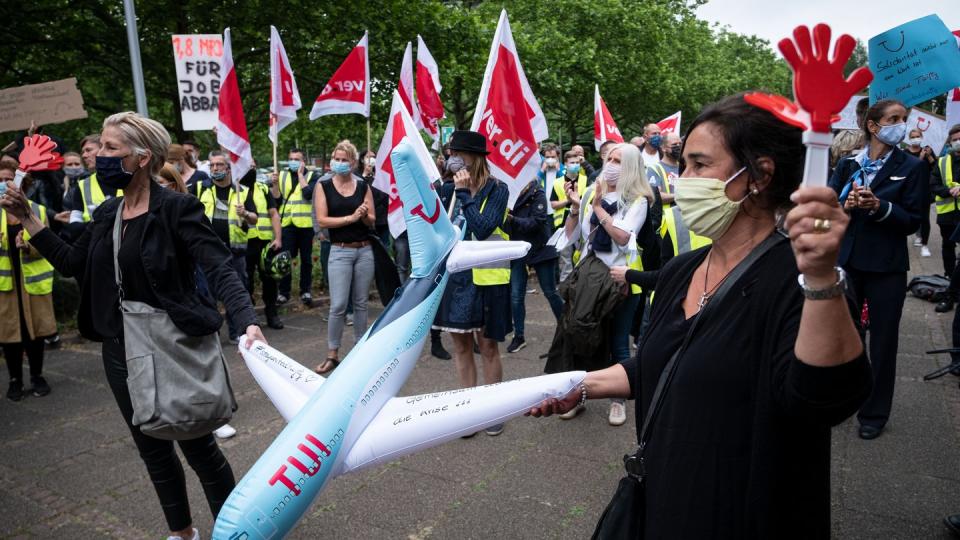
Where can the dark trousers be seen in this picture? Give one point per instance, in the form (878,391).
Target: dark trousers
(546,275)
(299,242)
(238,262)
(163,465)
(884,293)
(948,248)
(269,292)
(925,226)
(13,353)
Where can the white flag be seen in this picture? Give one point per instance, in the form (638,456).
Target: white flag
(284,97)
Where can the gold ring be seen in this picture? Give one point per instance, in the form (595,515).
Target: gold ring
(821,225)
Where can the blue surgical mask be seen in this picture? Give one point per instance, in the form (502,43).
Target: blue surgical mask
(340,167)
(892,134)
(219,175)
(293,165)
(655,141)
(110,172)
(573,168)
(73,172)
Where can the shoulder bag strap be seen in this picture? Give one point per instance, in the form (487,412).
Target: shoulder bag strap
(117,226)
(667,376)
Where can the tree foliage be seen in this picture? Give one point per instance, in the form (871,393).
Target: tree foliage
(650,59)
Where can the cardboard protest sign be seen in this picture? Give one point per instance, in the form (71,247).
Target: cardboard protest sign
(198,58)
(933,127)
(46,103)
(914,62)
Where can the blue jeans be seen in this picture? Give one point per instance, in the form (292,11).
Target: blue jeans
(620,328)
(351,272)
(546,275)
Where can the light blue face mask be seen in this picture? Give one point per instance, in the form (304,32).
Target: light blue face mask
(573,168)
(340,167)
(219,175)
(892,134)
(293,165)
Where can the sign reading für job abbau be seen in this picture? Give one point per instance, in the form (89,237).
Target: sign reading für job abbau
(198,58)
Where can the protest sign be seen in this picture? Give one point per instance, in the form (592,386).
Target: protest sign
(933,127)
(198,59)
(46,103)
(848,116)
(914,62)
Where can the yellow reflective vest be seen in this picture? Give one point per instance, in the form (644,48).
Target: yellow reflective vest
(238,227)
(296,210)
(495,273)
(37,271)
(559,215)
(683,239)
(945,205)
(263,229)
(660,172)
(586,209)
(92,196)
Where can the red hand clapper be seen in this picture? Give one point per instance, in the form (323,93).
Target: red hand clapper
(37,153)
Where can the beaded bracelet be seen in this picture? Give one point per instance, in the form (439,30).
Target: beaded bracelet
(583,395)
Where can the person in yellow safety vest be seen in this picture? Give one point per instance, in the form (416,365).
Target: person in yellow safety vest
(662,175)
(232,214)
(293,189)
(266,232)
(26,298)
(605,224)
(575,175)
(945,185)
(476,303)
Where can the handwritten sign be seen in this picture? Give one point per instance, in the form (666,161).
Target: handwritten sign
(932,127)
(914,62)
(46,103)
(198,60)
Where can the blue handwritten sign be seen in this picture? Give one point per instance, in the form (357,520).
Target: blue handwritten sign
(914,62)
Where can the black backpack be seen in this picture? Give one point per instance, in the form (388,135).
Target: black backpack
(932,288)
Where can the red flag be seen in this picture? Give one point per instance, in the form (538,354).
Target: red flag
(428,90)
(604,126)
(348,91)
(231,125)
(670,123)
(405,86)
(283,111)
(399,125)
(508,115)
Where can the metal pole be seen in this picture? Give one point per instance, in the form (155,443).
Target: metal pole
(133,40)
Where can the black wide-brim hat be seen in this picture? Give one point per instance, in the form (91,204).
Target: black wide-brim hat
(468,141)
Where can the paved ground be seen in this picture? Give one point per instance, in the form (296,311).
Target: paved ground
(68,468)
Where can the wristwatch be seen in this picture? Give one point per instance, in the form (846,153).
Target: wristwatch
(826,293)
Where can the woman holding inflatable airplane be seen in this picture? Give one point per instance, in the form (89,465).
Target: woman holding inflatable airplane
(476,302)
(743,371)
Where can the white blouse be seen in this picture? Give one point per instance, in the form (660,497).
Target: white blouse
(627,218)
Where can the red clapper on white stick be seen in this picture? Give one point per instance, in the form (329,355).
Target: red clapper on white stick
(821,92)
(37,155)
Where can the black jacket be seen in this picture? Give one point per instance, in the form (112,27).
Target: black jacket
(878,242)
(177,238)
(529,222)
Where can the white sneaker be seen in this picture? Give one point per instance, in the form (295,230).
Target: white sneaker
(224,432)
(569,415)
(618,414)
(924,251)
(196,536)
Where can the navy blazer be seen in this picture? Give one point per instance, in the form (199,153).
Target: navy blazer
(878,242)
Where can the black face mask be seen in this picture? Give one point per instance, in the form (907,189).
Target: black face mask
(111,174)
(676,152)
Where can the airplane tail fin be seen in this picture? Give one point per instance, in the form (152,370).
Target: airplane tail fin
(476,254)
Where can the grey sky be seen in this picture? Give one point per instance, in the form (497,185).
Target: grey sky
(774,20)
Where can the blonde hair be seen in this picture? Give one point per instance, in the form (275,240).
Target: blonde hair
(176,152)
(346,146)
(142,135)
(633,182)
(172,176)
(844,143)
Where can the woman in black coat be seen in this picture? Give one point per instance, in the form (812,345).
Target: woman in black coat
(165,236)
(884,190)
(740,445)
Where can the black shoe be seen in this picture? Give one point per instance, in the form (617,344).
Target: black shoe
(40,386)
(869,433)
(15,391)
(274,323)
(282,299)
(307,300)
(944,306)
(953,523)
(52,343)
(516,344)
(437,350)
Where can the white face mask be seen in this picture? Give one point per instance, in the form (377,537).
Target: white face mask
(704,205)
(611,173)
(551,162)
(917,141)
(955,146)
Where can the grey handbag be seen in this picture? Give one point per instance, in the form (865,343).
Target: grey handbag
(179,384)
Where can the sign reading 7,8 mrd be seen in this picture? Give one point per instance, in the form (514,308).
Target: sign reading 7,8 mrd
(198,60)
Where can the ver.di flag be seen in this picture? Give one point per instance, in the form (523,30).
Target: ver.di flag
(671,123)
(348,91)
(604,126)
(405,86)
(508,114)
(428,90)
(284,96)
(231,124)
(399,125)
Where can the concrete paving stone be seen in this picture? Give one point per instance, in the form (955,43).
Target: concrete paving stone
(18,513)
(857,525)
